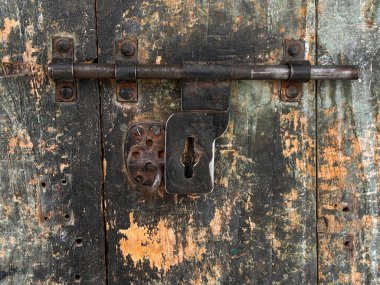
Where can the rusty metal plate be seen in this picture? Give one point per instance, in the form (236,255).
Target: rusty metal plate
(63,55)
(144,156)
(190,144)
(126,53)
(291,91)
(206,95)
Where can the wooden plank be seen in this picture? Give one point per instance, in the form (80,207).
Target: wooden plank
(348,144)
(50,161)
(258,226)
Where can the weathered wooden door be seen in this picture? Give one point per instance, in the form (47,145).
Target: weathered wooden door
(296,184)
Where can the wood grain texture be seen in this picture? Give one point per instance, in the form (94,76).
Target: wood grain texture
(258,226)
(50,171)
(348,144)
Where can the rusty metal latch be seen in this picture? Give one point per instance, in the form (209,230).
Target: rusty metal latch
(181,157)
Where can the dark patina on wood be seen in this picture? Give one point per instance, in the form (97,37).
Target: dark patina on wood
(62,166)
(51,225)
(247,231)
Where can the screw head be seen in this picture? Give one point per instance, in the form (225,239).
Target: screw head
(292,92)
(63,45)
(156,130)
(67,92)
(127,49)
(294,49)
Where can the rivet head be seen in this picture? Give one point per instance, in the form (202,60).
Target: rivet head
(139,179)
(126,93)
(156,130)
(294,49)
(63,45)
(138,131)
(127,49)
(67,92)
(292,92)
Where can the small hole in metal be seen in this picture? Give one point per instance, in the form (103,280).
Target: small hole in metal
(149,142)
(189,157)
(346,243)
(78,241)
(135,155)
(67,216)
(46,218)
(63,182)
(77,277)
(161,154)
(345,209)
(43,184)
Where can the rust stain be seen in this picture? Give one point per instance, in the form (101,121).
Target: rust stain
(9,25)
(160,246)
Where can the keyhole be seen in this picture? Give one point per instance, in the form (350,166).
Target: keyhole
(189,157)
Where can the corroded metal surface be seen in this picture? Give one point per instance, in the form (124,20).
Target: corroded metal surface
(205,71)
(144,153)
(190,150)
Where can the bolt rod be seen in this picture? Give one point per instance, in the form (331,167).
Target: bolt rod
(207,71)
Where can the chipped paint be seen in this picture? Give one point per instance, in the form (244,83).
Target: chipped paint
(294,142)
(216,223)
(104,168)
(63,166)
(348,145)
(159,246)
(21,141)
(9,25)
(30,59)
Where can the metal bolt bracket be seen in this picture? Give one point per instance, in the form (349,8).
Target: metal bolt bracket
(63,61)
(126,58)
(294,56)
(126,71)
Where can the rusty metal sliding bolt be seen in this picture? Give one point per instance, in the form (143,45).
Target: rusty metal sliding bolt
(206,71)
